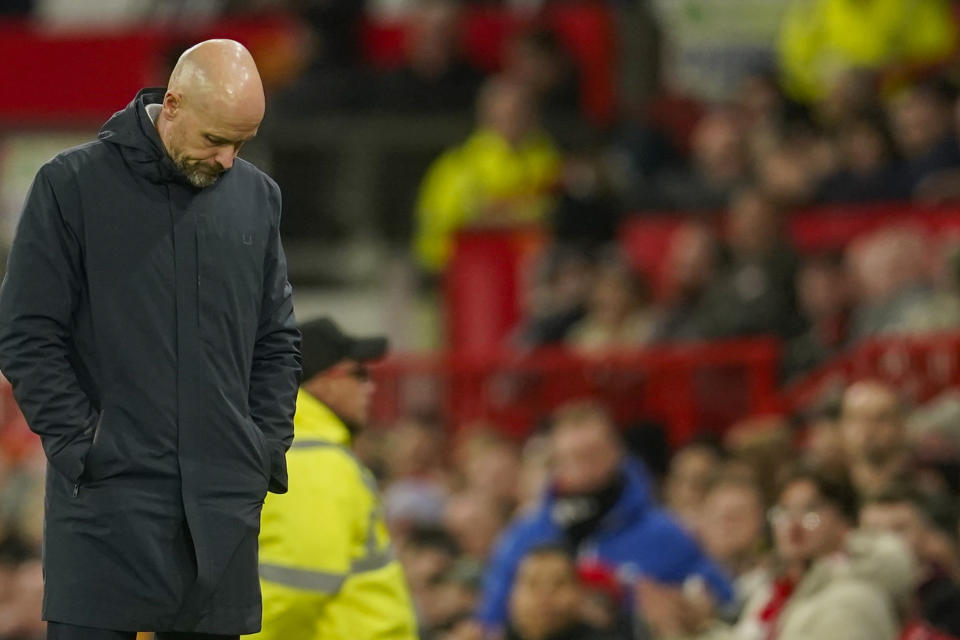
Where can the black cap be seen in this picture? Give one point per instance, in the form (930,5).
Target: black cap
(324,345)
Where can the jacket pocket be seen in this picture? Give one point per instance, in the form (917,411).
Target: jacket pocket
(264,449)
(90,435)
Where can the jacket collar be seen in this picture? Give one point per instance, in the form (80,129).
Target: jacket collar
(633,502)
(132,131)
(316,421)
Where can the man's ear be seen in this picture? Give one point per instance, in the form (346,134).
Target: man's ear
(171,104)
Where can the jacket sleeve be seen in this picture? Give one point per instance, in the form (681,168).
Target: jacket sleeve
(275,371)
(498,579)
(852,611)
(39,296)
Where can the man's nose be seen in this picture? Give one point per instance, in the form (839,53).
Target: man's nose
(225,157)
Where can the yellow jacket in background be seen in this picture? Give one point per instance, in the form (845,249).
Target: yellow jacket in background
(327,569)
(483,172)
(820,39)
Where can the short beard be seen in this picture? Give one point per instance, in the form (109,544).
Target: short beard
(195,174)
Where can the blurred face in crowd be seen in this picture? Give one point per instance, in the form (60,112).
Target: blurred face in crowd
(871,423)
(434,37)
(805,526)
(691,258)
(920,120)
(507,108)
(545,595)
(901,518)
(690,473)
(864,147)
(346,389)
(825,448)
(732,521)
(821,290)
(536,61)
(718,147)
(753,225)
(493,470)
(616,293)
(475,520)
(584,455)
(412,450)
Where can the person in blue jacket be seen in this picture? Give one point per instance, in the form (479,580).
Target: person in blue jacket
(600,504)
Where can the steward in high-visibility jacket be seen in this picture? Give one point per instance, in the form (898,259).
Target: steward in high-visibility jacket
(327,569)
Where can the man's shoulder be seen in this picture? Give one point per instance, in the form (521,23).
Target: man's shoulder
(250,171)
(72,161)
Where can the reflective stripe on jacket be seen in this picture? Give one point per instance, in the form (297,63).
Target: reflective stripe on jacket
(327,569)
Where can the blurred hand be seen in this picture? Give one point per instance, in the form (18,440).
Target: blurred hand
(674,611)
(661,607)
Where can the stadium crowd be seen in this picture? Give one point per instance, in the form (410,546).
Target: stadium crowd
(838,522)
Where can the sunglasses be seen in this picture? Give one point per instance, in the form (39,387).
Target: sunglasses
(357,372)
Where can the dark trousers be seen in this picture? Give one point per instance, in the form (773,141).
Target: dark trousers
(61,631)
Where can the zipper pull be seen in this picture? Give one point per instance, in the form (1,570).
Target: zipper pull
(76,489)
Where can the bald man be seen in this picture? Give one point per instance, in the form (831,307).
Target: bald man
(146,324)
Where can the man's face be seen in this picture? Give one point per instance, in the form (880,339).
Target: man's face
(203,141)
(902,519)
(545,595)
(585,456)
(347,389)
(870,424)
(805,527)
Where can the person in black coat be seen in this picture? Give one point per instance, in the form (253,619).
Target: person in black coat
(146,324)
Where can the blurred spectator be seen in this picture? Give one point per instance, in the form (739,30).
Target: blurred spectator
(819,39)
(435,76)
(546,599)
(890,273)
(868,168)
(718,166)
(941,311)
(902,511)
(620,312)
(824,440)
(691,470)
(489,465)
(835,582)
(922,122)
(788,171)
(418,487)
(754,292)
(600,504)
(501,176)
(823,295)
(733,533)
(475,520)
(854,92)
(556,299)
(427,554)
(874,436)
(536,59)
(691,263)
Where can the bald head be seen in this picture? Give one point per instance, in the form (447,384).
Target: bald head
(219,74)
(213,105)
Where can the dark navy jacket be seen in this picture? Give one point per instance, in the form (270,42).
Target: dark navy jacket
(147,328)
(636,538)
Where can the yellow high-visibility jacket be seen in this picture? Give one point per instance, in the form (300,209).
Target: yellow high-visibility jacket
(821,38)
(327,569)
(483,171)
